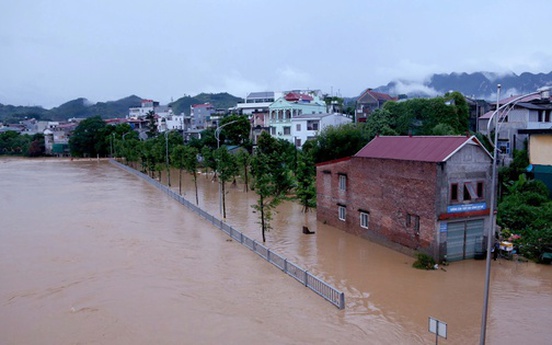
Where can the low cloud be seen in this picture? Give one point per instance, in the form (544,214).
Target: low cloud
(412,87)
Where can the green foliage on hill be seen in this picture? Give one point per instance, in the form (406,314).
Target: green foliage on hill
(82,108)
(14,114)
(77,108)
(222,100)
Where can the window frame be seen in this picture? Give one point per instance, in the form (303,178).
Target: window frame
(470,191)
(364,219)
(480,189)
(413,221)
(453,192)
(341,212)
(342,182)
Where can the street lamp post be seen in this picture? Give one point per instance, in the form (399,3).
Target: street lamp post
(505,108)
(167,157)
(217,136)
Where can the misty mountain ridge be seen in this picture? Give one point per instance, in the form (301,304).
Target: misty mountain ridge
(83,108)
(479,85)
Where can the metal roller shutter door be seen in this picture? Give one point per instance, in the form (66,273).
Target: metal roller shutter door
(461,239)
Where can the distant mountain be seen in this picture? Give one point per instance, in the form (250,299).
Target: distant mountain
(222,100)
(83,108)
(481,85)
(15,114)
(79,108)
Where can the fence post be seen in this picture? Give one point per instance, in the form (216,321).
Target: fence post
(306,278)
(267,254)
(342,300)
(285,265)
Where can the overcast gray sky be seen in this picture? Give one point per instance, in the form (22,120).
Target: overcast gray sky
(55,51)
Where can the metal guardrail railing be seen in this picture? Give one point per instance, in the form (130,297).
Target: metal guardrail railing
(314,283)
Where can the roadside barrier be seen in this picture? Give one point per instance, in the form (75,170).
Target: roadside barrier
(315,284)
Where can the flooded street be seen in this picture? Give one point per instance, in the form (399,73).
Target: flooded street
(90,254)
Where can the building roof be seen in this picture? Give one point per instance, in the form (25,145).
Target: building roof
(524,99)
(261,95)
(202,105)
(311,116)
(378,95)
(416,148)
(294,97)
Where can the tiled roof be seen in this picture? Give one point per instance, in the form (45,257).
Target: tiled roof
(293,96)
(381,96)
(524,99)
(415,148)
(487,115)
(378,95)
(202,105)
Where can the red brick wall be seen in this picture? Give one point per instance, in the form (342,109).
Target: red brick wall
(388,190)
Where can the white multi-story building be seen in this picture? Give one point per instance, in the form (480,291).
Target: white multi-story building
(258,102)
(307,126)
(175,122)
(148,105)
(285,109)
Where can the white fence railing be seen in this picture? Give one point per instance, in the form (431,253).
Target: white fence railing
(315,284)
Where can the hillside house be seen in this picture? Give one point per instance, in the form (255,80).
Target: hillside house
(200,115)
(530,115)
(427,194)
(368,101)
(257,102)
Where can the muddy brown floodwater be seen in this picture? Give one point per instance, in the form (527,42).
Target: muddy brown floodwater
(90,254)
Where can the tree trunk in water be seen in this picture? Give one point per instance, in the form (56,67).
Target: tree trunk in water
(246,182)
(180,182)
(195,183)
(262,219)
(223,200)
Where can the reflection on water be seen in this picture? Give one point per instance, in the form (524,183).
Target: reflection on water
(91,254)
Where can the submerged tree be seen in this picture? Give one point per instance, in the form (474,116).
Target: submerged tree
(227,169)
(272,178)
(177,160)
(244,163)
(191,165)
(305,174)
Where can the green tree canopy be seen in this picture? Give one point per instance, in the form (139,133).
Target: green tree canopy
(89,138)
(272,177)
(236,133)
(335,142)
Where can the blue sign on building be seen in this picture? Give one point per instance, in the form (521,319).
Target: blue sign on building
(467,207)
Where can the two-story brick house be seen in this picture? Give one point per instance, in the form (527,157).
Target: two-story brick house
(429,194)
